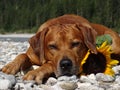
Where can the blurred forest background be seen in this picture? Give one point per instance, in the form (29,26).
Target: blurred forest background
(25,16)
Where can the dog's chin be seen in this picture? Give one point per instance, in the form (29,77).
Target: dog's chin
(66,73)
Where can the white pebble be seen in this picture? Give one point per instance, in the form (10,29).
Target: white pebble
(116,69)
(63,78)
(87,86)
(46,87)
(117,80)
(66,78)
(5,84)
(73,78)
(56,87)
(8,79)
(51,81)
(68,85)
(19,86)
(1,66)
(92,76)
(114,87)
(83,84)
(29,86)
(105,78)
(11,78)
(85,79)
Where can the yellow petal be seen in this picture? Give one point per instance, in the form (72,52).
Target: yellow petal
(104,49)
(85,58)
(114,62)
(109,71)
(104,44)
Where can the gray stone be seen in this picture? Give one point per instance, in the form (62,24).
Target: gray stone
(88,86)
(51,81)
(66,78)
(92,76)
(19,86)
(5,84)
(56,87)
(85,79)
(116,69)
(117,80)
(29,86)
(114,87)
(46,87)
(6,81)
(105,85)
(105,78)
(68,85)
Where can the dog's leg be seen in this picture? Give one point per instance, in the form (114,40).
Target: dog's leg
(39,74)
(20,62)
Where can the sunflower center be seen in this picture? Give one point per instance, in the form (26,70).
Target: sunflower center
(95,63)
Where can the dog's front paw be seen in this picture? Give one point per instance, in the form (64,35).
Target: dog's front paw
(34,75)
(11,68)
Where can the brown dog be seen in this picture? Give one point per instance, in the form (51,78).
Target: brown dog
(59,46)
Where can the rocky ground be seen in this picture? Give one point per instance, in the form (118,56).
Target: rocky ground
(9,49)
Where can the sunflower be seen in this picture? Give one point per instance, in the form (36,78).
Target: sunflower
(105,50)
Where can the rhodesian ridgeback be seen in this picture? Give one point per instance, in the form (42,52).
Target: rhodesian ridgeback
(59,47)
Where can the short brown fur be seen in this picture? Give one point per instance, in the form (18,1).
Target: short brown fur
(66,37)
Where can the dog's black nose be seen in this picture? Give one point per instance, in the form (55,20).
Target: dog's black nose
(65,64)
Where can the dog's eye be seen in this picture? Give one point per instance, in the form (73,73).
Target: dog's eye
(53,46)
(75,44)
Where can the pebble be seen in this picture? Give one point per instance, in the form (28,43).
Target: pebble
(19,86)
(85,79)
(117,80)
(51,81)
(6,81)
(68,85)
(88,86)
(1,66)
(116,69)
(5,84)
(105,78)
(114,87)
(92,76)
(46,87)
(56,87)
(100,81)
(66,78)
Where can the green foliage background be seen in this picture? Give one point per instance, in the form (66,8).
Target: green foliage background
(28,15)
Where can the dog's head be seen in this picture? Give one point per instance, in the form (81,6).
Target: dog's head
(65,45)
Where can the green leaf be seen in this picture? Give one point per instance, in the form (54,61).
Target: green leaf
(103,38)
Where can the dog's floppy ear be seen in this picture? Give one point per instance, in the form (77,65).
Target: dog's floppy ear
(89,35)
(37,44)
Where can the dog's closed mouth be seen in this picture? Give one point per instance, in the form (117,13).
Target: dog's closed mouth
(67,74)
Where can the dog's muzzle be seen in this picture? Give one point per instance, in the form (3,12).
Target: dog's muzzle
(66,67)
